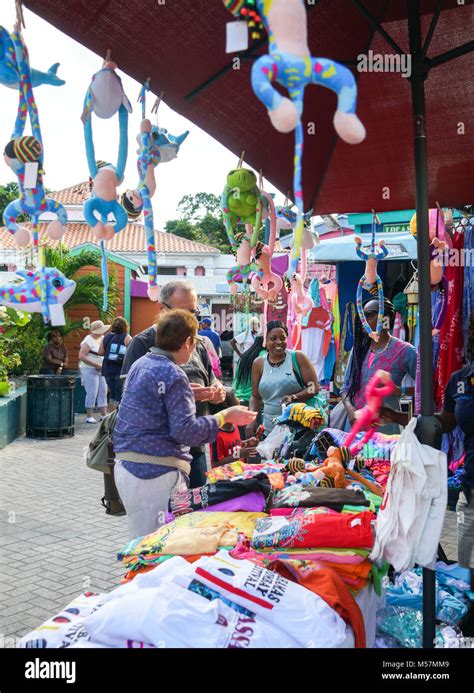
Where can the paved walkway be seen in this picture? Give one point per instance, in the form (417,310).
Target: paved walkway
(55,539)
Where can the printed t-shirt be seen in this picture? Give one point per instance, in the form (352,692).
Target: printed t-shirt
(224,444)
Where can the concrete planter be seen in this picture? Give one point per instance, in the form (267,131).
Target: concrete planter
(12,416)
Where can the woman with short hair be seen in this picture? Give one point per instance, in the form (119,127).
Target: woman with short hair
(157,424)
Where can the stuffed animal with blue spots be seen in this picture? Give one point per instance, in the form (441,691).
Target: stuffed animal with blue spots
(24,155)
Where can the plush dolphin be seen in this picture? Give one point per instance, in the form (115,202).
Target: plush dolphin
(9,72)
(164,146)
(27,295)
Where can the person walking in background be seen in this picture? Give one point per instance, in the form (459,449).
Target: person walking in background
(113,349)
(243,341)
(207,331)
(274,378)
(90,366)
(204,384)
(157,423)
(55,357)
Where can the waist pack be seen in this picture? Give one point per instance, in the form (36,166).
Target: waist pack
(98,453)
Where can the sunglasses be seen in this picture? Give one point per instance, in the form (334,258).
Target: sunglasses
(190,310)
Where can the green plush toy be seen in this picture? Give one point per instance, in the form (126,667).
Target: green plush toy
(242,195)
(241,203)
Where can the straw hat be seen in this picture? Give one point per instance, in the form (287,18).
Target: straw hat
(98,327)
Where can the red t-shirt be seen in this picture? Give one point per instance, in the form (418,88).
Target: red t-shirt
(224,444)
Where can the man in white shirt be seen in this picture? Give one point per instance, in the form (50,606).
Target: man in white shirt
(244,340)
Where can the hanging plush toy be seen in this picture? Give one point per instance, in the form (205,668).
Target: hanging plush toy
(24,155)
(241,203)
(266,283)
(367,419)
(155,147)
(440,241)
(35,294)
(9,72)
(106,97)
(370,280)
(291,65)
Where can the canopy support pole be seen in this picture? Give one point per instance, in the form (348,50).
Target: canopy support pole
(428,429)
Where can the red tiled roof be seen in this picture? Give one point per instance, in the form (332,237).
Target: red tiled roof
(130,240)
(75,195)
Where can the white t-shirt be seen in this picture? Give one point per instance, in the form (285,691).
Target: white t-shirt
(244,341)
(94,344)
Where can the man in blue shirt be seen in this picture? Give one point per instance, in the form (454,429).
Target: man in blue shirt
(207,331)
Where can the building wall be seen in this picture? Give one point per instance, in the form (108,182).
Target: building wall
(73,341)
(143,314)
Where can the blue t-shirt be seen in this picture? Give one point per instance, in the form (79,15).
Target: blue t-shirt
(213,336)
(459,400)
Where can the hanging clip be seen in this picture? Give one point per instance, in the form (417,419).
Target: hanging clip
(108,56)
(260,179)
(239,165)
(377,220)
(157,102)
(143,89)
(20,19)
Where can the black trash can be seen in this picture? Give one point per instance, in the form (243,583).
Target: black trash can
(50,406)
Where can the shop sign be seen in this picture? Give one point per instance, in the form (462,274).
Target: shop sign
(396,228)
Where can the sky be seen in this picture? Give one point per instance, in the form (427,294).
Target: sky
(60,110)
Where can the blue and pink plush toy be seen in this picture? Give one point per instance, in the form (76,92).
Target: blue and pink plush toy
(46,287)
(290,64)
(106,97)
(24,155)
(156,146)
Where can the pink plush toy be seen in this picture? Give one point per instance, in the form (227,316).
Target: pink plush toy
(300,302)
(266,283)
(380,386)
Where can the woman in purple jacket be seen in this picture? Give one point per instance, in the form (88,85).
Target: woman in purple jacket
(156,425)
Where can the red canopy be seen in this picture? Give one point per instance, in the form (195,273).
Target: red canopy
(181,45)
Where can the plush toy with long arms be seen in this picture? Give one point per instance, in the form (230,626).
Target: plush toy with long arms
(156,146)
(440,241)
(370,281)
(241,203)
(137,201)
(300,302)
(105,97)
(266,283)
(23,151)
(379,386)
(291,65)
(9,73)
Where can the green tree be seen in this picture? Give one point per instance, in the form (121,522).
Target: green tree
(200,221)
(195,207)
(89,291)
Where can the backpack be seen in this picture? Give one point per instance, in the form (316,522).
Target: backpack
(97,454)
(114,351)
